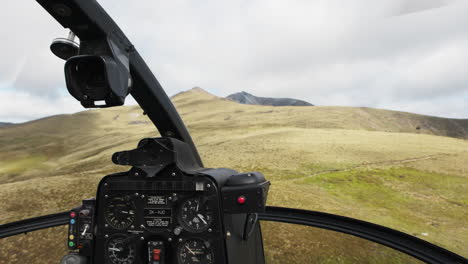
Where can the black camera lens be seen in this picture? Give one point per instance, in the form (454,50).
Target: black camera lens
(96,81)
(91,73)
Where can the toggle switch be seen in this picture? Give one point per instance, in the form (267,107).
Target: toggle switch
(157,254)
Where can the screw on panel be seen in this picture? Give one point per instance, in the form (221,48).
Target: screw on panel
(142,196)
(180,239)
(173,174)
(132,227)
(142,226)
(137,194)
(210,230)
(142,238)
(208,185)
(106,236)
(169,239)
(105,184)
(105,196)
(228,234)
(62,10)
(106,225)
(136,174)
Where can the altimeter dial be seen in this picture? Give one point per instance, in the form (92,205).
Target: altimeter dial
(120,249)
(195,251)
(195,215)
(119,211)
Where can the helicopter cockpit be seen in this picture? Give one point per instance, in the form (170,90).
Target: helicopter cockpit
(166,207)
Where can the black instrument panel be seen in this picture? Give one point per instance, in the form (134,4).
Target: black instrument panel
(171,218)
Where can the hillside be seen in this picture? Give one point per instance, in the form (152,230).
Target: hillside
(246,98)
(3,124)
(210,110)
(343,160)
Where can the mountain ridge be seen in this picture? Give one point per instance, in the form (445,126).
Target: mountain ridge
(4,124)
(200,108)
(228,113)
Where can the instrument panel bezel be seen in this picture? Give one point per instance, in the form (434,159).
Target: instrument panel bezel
(175,186)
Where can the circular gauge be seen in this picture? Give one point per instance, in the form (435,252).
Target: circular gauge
(120,250)
(195,215)
(119,212)
(195,251)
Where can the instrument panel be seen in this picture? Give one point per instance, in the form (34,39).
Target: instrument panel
(174,218)
(167,209)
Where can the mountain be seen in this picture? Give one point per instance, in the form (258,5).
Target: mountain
(370,164)
(246,98)
(3,124)
(210,110)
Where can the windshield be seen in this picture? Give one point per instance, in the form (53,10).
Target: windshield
(356,109)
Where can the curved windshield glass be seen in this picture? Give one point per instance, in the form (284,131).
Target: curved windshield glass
(288,243)
(356,109)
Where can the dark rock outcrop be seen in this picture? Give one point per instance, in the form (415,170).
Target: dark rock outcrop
(246,98)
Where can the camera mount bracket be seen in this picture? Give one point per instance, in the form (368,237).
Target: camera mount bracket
(65,48)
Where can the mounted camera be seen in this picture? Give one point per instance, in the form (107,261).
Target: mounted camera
(97,81)
(96,72)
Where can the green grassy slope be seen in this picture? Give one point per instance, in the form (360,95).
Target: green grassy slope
(342,160)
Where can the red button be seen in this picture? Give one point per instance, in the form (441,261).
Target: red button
(72,214)
(241,200)
(156,254)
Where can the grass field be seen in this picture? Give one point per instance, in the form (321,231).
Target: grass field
(364,163)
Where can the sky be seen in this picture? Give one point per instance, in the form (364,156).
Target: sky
(405,55)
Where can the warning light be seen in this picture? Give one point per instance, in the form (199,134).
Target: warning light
(241,199)
(72,221)
(72,214)
(71,244)
(72,237)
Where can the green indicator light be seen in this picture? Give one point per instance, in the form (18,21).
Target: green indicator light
(71,244)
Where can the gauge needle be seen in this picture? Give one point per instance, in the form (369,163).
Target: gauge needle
(197,206)
(114,249)
(190,250)
(85,229)
(202,218)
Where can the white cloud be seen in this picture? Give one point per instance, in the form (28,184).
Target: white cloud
(18,106)
(27,63)
(387,54)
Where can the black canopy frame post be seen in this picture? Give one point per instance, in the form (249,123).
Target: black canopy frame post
(90,22)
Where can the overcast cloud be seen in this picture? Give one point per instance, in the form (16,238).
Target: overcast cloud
(404,55)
